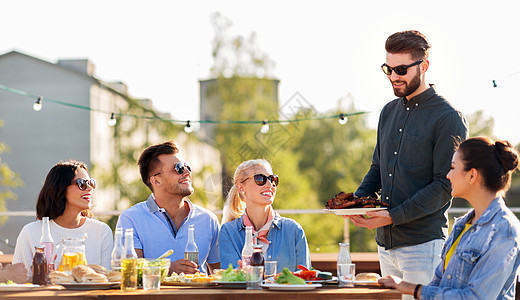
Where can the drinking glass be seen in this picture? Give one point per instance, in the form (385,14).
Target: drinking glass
(254,276)
(270,268)
(151,277)
(346,275)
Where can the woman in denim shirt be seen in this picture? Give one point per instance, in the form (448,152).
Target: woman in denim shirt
(480,257)
(249,204)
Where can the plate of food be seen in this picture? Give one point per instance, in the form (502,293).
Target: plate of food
(90,286)
(291,287)
(91,277)
(314,276)
(349,204)
(367,279)
(11,286)
(353,211)
(232,284)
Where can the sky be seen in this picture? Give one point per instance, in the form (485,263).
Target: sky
(323,50)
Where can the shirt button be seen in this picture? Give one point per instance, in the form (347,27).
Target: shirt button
(416,104)
(400,130)
(390,174)
(387,198)
(407,108)
(269,256)
(395,152)
(449,276)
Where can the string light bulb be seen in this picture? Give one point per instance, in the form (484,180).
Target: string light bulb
(188,128)
(37,106)
(265,127)
(343,119)
(112,121)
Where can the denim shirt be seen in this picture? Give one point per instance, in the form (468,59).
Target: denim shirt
(411,159)
(287,243)
(485,263)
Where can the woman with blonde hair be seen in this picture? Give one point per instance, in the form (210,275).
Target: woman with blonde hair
(249,203)
(480,258)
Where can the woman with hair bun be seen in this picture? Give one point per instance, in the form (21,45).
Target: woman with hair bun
(249,204)
(480,259)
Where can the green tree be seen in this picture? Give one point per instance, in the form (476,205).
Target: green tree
(8,181)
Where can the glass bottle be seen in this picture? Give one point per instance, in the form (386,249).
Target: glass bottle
(47,241)
(247,251)
(344,254)
(117,252)
(129,263)
(39,266)
(191,252)
(257,259)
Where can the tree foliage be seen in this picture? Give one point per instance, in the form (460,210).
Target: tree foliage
(8,180)
(315,160)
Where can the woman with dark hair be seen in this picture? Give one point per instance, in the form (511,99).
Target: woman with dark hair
(480,258)
(66,198)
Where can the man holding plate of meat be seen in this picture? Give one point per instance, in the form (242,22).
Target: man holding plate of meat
(415,142)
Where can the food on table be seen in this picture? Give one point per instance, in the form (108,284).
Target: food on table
(94,278)
(83,274)
(190,278)
(99,269)
(231,275)
(8,282)
(80,271)
(349,200)
(312,275)
(61,277)
(287,277)
(367,277)
(114,276)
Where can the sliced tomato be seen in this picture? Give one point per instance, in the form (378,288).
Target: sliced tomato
(302,267)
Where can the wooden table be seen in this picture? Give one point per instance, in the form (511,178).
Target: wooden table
(187,293)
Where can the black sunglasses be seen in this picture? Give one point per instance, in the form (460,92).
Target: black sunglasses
(180,167)
(261,179)
(399,70)
(84,183)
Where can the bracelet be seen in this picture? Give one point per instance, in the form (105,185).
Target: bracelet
(417,287)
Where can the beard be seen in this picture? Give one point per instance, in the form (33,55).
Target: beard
(176,189)
(409,88)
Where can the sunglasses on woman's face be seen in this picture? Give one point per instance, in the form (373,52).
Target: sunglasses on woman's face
(261,179)
(84,183)
(180,167)
(399,70)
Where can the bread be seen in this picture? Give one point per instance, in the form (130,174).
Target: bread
(99,269)
(114,276)
(367,277)
(80,271)
(94,278)
(61,277)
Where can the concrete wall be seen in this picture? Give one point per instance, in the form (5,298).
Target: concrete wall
(39,140)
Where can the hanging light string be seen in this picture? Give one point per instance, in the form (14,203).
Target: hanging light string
(113,115)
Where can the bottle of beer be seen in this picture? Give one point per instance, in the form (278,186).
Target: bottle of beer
(247,251)
(39,266)
(129,263)
(191,252)
(117,252)
(47,241)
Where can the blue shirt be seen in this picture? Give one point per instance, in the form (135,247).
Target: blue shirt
(287,243)
(485,263)
(155,233)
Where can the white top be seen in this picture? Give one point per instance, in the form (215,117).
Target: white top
(98,245)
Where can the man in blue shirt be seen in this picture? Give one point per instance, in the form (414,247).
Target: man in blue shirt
(415,142)
(161,222)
